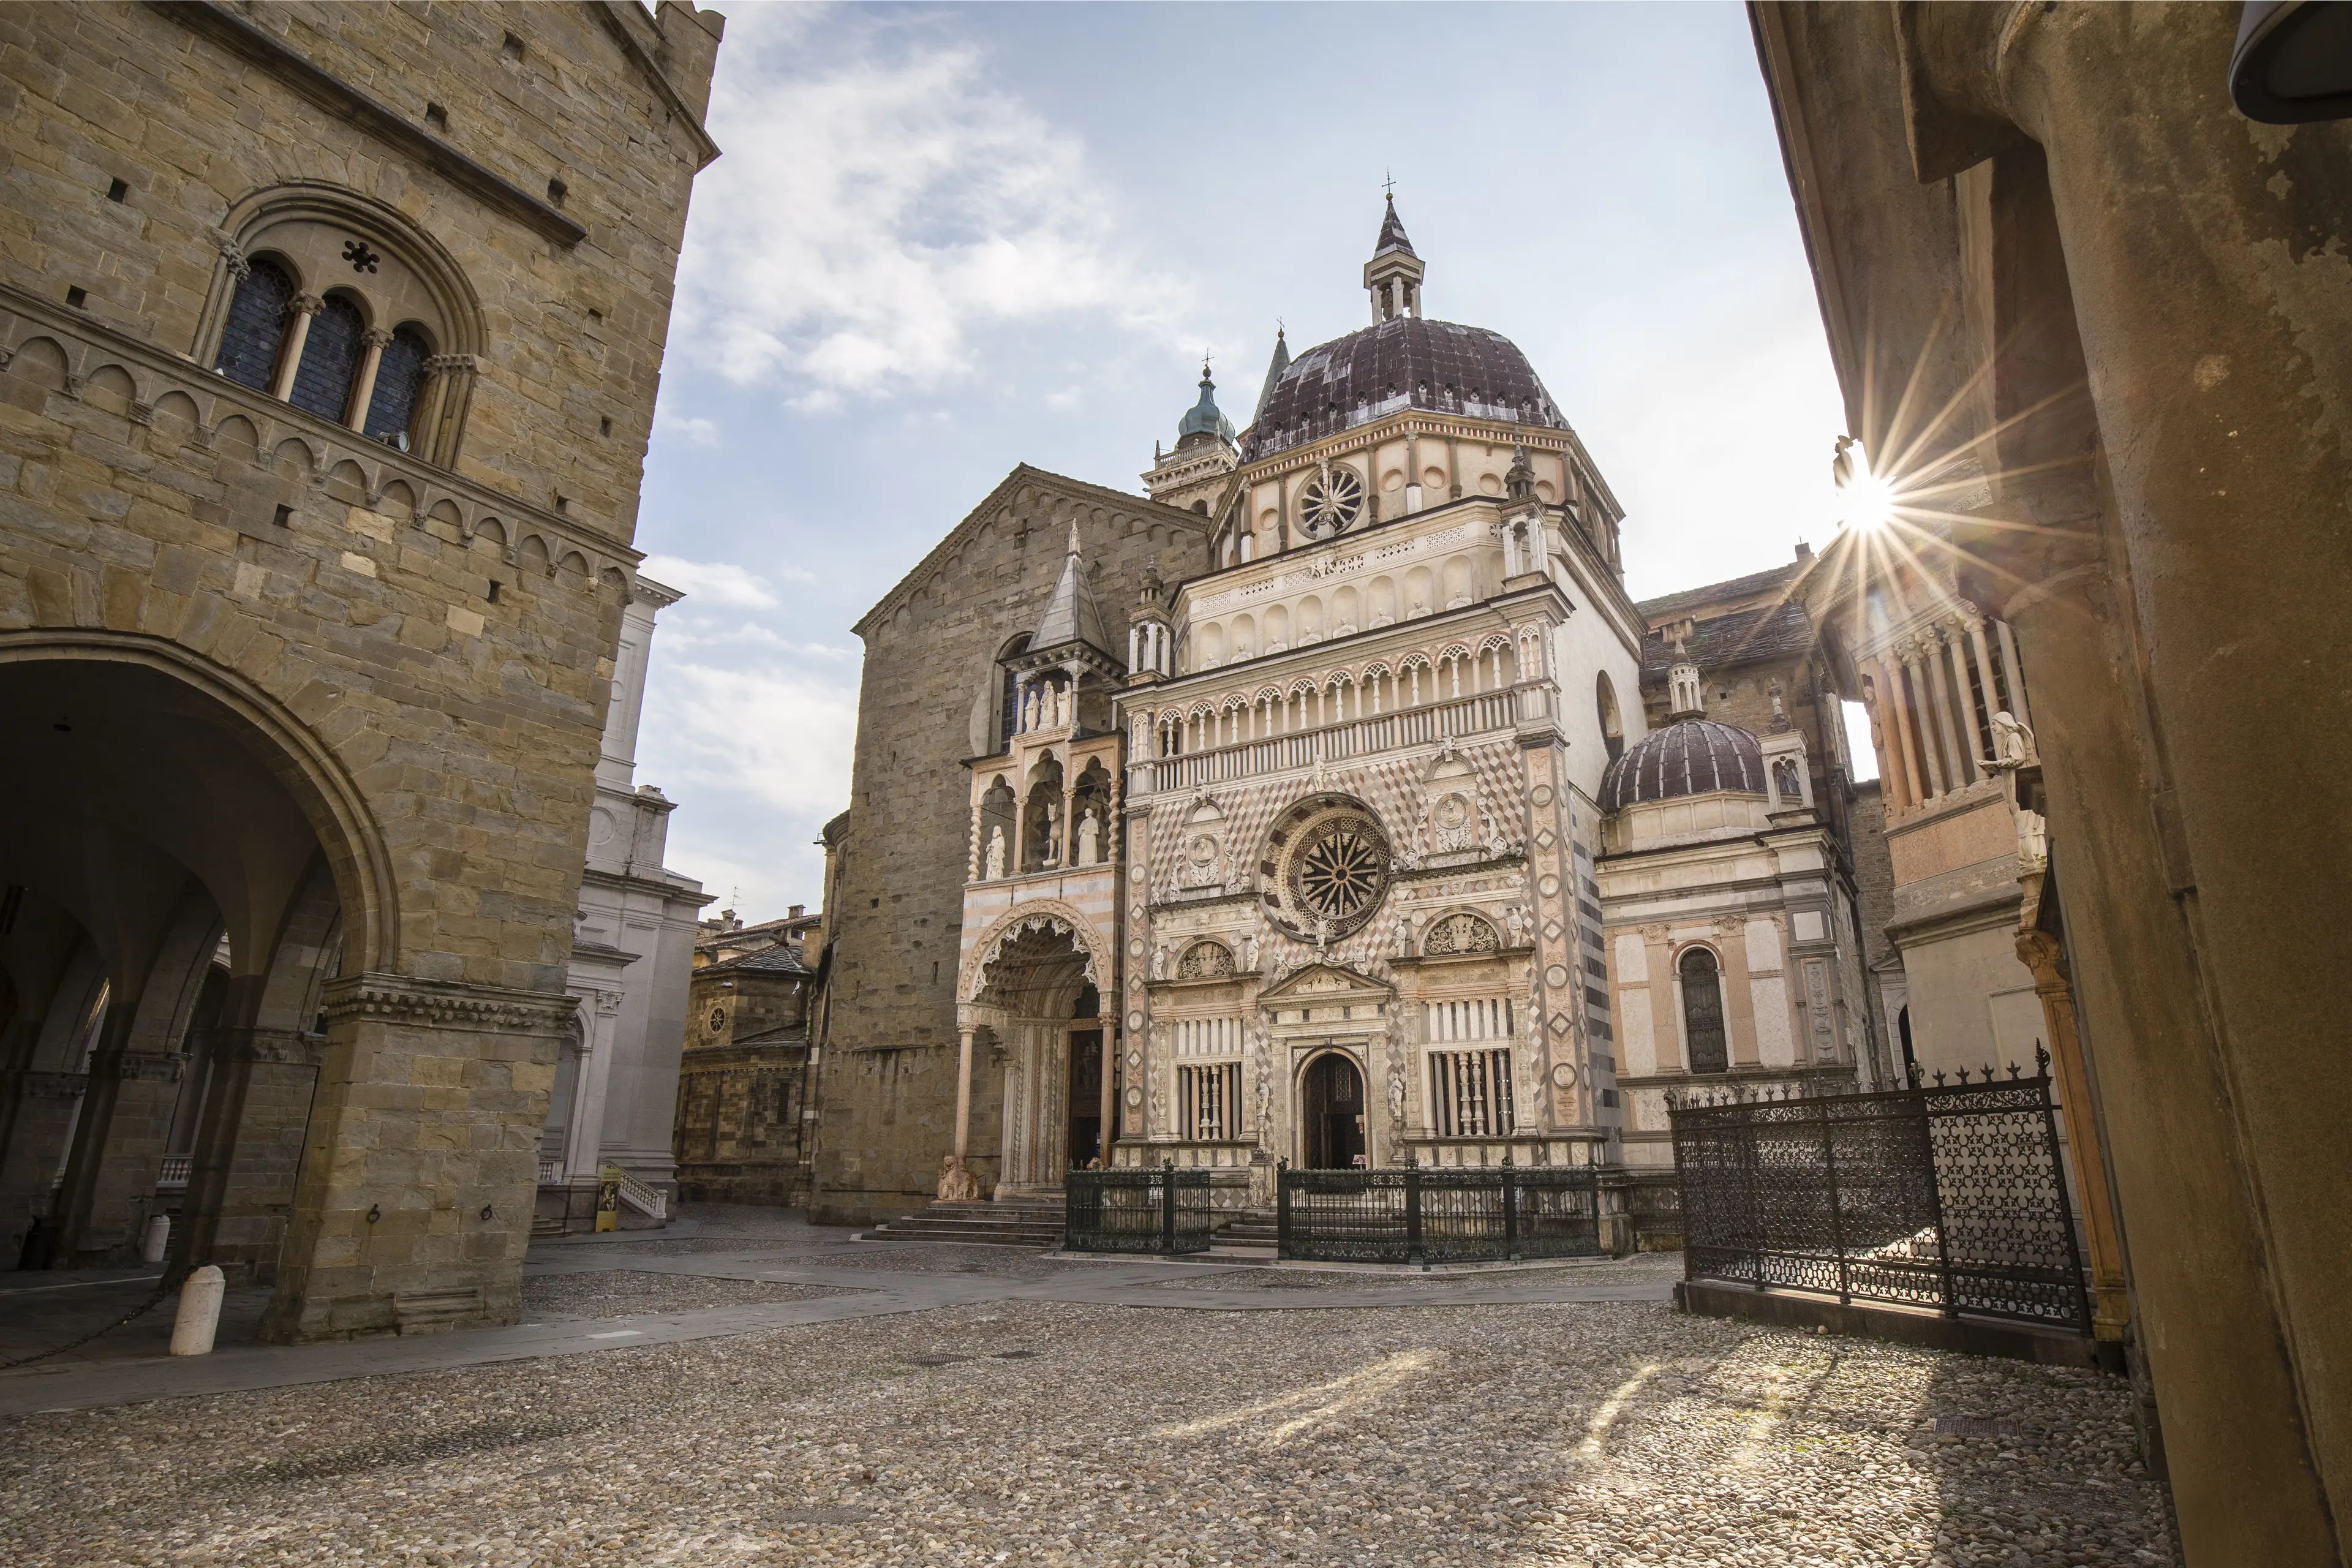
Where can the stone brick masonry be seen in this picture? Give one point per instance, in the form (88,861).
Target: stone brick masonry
(427,649)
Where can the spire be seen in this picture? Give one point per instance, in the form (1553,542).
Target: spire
(1273,369)
(1205,417)
(1685,697)
(1392,276)
(1070,614)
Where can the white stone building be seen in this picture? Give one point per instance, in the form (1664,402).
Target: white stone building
(632,957)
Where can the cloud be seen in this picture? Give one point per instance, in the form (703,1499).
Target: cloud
(713,583)
(698,432)
(775,734)
(879,204)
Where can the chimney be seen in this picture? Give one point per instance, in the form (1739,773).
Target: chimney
(796,912)
(1804,552)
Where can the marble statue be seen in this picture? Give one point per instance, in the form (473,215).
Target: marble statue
(996,853)
(2013,743)
(1088,830)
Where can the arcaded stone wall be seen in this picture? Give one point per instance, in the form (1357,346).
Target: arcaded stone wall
(427,651)
(886,1071)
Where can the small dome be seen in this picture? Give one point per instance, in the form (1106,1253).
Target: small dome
(1405,363)
(1691,756)
(1205,418)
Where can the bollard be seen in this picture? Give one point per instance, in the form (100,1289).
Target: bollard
(200,1305)
(158,1236)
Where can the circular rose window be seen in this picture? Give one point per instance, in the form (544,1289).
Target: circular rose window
(1332,502)
(1331,871)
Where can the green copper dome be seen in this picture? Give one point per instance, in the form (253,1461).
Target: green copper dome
(1203,418)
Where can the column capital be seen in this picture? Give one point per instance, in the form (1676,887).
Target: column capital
(305,305)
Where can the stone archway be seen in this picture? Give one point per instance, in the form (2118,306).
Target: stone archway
(189,870)
(1033,990)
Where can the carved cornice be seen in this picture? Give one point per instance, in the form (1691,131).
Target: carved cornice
(48,1085)
(446,1005)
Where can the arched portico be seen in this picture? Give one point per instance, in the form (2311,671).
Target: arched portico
(1032,992)
(189,868)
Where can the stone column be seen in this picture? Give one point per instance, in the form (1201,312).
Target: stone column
(248,1149)
(964,1094)
(300,309)
(1931,661)
(972,871)
(420,1162)
(1984,664)
(2012,675)
(1964,706)
(2042,952)
(1738,995)
(364,384)
(1110,1096)
(1928,745)
(1897,696)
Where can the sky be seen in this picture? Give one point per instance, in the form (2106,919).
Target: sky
(943,240)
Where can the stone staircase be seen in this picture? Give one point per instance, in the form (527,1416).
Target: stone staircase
(1008,1222)
(1250,1236)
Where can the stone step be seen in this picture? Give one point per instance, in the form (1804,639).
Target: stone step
(1031,1222)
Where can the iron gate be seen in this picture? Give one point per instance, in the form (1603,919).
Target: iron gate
(1416,1216)
(1166,1210)
(1944,1195)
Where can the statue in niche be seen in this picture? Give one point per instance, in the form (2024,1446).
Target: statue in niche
(996,853)
(1515,921)
(1784,779)
(1053,834)
(1160,961)
(1396,1096)
(1779,709)
(2013,743)
(1089,831)
(1404,937)
(1249,953)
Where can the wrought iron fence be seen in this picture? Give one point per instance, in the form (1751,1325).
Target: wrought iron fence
(1166,1210)
(1944,1195)
(1416,1216)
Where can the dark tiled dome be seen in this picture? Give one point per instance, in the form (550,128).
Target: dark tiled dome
(1407,362)
(1690,756)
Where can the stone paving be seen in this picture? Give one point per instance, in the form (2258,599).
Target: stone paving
(1029,1417)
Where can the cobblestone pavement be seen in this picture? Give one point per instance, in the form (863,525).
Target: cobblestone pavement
(618,1292)
(1050,1431)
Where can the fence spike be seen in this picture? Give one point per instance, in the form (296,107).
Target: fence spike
(2013,1070)
(1939,1078)
(2041,1057)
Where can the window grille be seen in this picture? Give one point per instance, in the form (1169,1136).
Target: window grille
(1470,1093)
(1476,1018)
(1207,1036)
(398,375)
(322,383)
(1208,1101)
(255,325)
(1703,1011)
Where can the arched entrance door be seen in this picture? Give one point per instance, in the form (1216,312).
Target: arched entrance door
(1040,1012)
(1331,1114)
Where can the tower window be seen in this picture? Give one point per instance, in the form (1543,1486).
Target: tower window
(512,49)
(256,324)
(436,117)
(322,383)
(1703,1011)
(118,190)
(556,190)
(398,375)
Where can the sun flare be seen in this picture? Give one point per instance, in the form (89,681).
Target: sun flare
(1869,502)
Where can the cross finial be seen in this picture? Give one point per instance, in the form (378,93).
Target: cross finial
(1388,183)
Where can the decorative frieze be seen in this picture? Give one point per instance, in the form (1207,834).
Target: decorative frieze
(443,1005)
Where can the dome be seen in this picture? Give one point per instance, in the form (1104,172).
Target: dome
(1205,418)
(1691,756)
(1407,362)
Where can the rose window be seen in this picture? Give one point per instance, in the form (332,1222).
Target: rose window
(1333,870)
(1333,500)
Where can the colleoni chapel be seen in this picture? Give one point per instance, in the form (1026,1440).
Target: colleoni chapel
(1288,800)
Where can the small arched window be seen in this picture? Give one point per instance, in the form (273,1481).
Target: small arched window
(1612,726)
(255,325)
(391,404)
(1703,1011)
(1008,717)
(330,352)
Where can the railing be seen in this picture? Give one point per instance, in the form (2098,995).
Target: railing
(1950,1196)
(173,1176)
(1334,743)
(1165,1211)
(1413,1215)
(645,1200)
(550,1172)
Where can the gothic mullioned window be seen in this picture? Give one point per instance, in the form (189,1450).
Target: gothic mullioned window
(1703,1011)
(322,382)
(1470,1093)
(399,375)
(255,325)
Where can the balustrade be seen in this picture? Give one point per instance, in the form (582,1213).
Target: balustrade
(1487,712)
